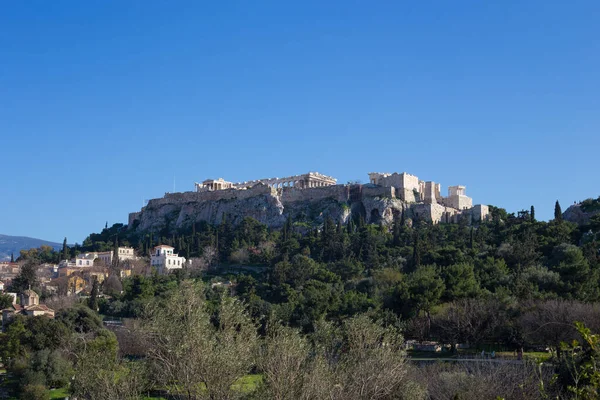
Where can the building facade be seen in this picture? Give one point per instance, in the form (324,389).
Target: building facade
(165,260)
(29,306)
(85,259)
(124,253)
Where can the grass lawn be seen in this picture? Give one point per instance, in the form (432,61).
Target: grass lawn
(247,384)
(59,393)
(528,355)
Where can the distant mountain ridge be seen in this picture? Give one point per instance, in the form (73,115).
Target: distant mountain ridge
(14,244)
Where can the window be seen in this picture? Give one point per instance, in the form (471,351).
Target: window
(169,262)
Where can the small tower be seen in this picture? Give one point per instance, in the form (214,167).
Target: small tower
(29,298)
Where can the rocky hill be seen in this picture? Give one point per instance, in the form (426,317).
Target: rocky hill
(582,213)
(14,244)
(270,206)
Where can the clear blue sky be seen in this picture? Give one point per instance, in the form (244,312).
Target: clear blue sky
(102,103)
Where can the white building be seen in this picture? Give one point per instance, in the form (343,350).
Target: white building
(124,253)
(85,259)
(165,260)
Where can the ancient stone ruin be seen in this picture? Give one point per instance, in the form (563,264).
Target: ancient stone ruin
(304,181)
(309,199)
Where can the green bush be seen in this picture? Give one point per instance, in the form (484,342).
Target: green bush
(34,392)
(590,205)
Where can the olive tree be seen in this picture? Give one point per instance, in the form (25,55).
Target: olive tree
(198,352)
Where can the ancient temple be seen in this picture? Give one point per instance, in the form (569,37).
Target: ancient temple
(308,180)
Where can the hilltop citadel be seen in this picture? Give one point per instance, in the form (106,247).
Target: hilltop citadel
(310,198)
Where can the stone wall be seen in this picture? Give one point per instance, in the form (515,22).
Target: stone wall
(430,192)
(378,191)
(410,181)
(408,195)
(133,216)
(225,194)
(434,213)
(340,193)
(399,181)
(480,212)
(459,202)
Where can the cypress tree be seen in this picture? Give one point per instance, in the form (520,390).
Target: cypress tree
(417,250)
(115,263)
(12,257)
(93,300)
(557,212)
(532,214)
(471,237)
(65,250)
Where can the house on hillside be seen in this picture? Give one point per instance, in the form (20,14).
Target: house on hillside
(164,260)
(30,306)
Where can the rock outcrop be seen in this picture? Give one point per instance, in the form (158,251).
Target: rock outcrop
(582,213)
(272,207)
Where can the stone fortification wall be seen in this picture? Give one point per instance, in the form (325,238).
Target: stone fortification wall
(400,181)
(430,192)
(481,212)
(408,195)
(433,212)
(378,191)
(410,181)
(459,202)
(340,193)
(133,216)
(196,197)
(439,214)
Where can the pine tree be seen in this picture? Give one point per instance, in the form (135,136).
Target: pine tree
(93,300)
(532,214)
(27,277)
(557,212)
(65,250)
(115,263)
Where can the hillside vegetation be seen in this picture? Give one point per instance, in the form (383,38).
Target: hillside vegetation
(323,312)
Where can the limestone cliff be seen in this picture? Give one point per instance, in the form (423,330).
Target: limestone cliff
(375,204)
(582,213)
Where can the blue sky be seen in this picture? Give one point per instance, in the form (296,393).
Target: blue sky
(104,103)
